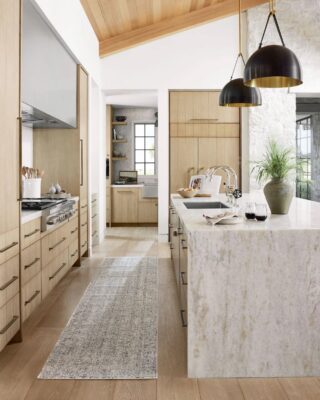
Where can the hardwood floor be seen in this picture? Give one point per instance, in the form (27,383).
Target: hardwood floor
(21,363)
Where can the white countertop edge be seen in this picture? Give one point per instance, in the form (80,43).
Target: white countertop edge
(137,185)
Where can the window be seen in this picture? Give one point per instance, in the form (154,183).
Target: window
(144,149)
(303,142)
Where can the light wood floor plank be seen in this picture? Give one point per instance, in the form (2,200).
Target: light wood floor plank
(50,390)
(92,389)
(135,390)
(262,389)
(301,388)
(220,389)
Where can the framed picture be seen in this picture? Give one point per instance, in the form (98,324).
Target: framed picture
(197,182)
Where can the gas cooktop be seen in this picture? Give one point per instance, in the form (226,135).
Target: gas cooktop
(41,203)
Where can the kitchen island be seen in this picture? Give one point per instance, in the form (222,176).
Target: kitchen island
(250,293)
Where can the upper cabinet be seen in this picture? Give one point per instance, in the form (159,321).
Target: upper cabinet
(197,107)
(48,74)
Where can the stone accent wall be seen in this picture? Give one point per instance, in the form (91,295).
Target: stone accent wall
(299,24)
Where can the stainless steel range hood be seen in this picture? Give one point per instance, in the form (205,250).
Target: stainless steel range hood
(35,118)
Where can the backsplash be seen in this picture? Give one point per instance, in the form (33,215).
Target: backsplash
(133,114)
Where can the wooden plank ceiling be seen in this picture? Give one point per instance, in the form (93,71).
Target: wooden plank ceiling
(121,24)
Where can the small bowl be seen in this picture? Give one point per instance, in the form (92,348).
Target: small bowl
(121,118)
(187,193)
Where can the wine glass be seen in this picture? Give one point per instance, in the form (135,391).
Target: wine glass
(261,212)
(250,211)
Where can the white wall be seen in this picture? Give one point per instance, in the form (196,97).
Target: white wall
(299,23)
(199,58)
(27,146)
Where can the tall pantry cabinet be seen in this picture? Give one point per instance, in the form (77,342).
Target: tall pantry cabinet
(202,135)
(9,165)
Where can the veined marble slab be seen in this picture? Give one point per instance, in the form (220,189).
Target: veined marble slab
(254,294)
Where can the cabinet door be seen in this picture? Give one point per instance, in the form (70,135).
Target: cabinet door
(220,151)
(124,205)
(83,126)
(221,114)
(148,211)
(10,110)
(183,161)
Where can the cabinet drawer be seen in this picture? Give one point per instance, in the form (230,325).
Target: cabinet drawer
(73,229)
(9,245)
(9,320)
(30,262)
(84,220)
(83,206)
(53,272)
(84,241)
(9,280)
(31,296)
(53,244)
(73,252)
(30,232)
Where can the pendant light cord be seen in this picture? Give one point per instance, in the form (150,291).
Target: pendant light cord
(240,55)
(272,14)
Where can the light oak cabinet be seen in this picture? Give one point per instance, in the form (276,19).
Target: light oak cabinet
(125,205)
(202,134)
(10,136)
(129,207)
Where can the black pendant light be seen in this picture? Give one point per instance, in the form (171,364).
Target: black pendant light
(235,93)
(273,66)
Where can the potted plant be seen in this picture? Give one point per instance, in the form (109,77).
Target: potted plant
(276,165)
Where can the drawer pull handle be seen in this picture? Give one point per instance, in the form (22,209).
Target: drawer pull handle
(35,294)
(85,206)
(94,216)
(31,233)
(183,244)
(175,233)
(3,287)
(74,231)
(4,330)
(184,324)
(57,271)
(171,245)
(170,225)
(57,244)
(182,274)
(31,264)
(94,233)
(93,201)
(73,254)
(84,224)
(8,247)
(84,244)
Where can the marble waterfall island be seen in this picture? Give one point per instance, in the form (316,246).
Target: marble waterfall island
(253,294)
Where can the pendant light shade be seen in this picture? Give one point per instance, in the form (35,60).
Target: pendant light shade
(236,94)
(273,67)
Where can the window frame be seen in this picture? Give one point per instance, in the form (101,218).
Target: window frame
(145,136)
(303,179)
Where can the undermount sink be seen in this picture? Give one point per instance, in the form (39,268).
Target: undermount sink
(203,205)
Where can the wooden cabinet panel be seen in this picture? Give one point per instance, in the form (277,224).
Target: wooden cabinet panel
(83,240)
(73,229)
(54,271)
(220,151)
(9,244)
(30,262)
(9,320)
(30,296)
(9,280)
(183,161)
(125,205)
(53,244)
(10,111)
(148,211)
(30,232)
(83,126)
(221,114)
(73,252)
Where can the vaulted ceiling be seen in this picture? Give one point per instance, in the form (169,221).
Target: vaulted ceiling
(121,24)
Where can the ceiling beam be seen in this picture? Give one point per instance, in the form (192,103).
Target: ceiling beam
(132,38)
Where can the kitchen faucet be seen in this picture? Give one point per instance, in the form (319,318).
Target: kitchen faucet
(232,191)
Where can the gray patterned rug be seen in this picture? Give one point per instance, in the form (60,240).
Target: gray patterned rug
(113,333)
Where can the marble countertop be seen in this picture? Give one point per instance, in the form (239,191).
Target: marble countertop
(303,214)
